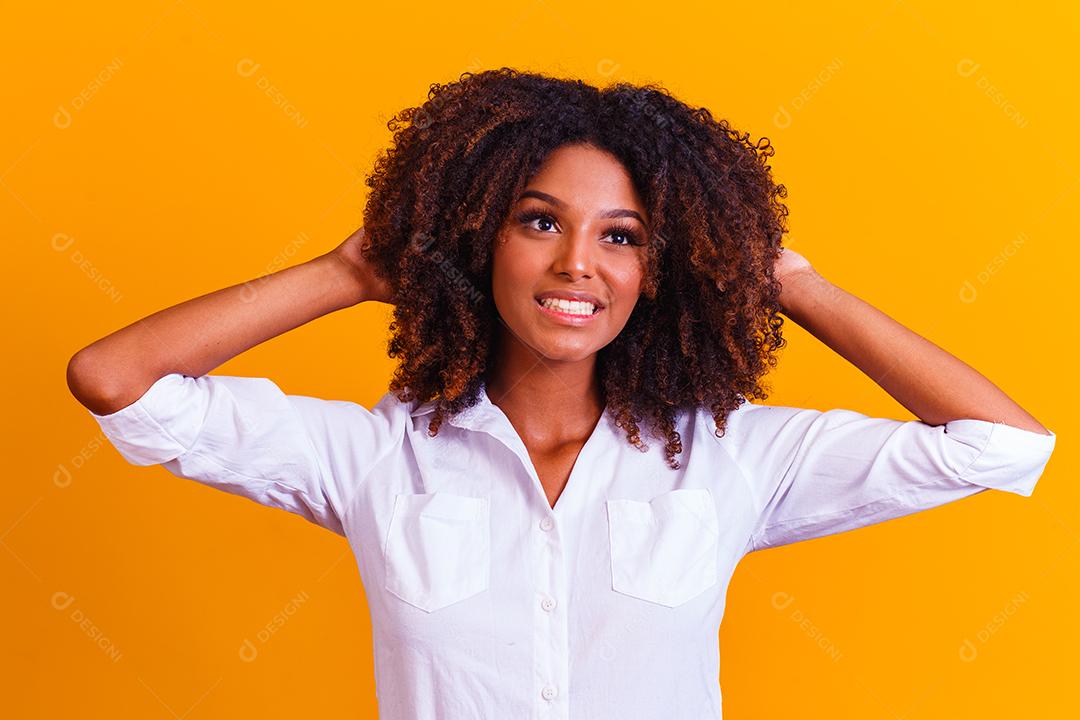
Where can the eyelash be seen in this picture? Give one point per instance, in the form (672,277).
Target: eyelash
(529,216)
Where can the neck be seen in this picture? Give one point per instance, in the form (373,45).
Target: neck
(548,402)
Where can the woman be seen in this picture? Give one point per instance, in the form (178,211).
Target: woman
(564,263)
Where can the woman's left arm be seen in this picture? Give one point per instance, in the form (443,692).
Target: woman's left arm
(933,384)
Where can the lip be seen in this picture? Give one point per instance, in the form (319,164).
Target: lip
(566,318)
(571,295)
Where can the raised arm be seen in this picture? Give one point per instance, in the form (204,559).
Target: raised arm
(934,385)
(198,335)
(148,387)
(813,473)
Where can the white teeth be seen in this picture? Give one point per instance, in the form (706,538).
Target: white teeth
(573,307)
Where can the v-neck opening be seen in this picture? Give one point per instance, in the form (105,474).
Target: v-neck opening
(531,466)
(573,468)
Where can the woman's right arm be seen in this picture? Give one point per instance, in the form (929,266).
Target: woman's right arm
(198,335)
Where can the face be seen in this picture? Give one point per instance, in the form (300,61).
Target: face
(579,229)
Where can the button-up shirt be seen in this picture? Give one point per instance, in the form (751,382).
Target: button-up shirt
(486,602)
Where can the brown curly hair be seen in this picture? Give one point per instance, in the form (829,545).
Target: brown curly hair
(706,327)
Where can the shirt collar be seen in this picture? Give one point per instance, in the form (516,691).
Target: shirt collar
(485,416)
(477,417)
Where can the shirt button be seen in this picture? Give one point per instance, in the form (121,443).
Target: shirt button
(547,523)
(548,604)
(549,692)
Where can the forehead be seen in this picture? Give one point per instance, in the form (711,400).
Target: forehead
(586,178)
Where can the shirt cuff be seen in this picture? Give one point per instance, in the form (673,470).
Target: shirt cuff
(1009,458)
(134,430)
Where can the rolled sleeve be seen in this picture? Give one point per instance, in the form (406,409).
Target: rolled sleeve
(137,434)
(814,473)
(1009,458)
(245,436)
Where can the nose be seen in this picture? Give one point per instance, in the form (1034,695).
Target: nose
(574,256)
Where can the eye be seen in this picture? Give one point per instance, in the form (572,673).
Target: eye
(530,216)
(627,232)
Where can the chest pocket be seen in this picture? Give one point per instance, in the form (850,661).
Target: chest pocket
(665,550)
(438,549)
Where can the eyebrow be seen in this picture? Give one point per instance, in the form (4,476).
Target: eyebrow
(615,213)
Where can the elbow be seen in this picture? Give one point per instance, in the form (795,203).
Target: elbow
(77,376)
(86,380)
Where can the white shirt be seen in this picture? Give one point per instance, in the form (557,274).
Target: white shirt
(485,601)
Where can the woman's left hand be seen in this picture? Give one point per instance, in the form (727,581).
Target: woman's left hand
(789,262)
(788,268)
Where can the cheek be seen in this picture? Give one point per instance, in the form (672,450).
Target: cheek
(627,281)
(514,271)
(518,265)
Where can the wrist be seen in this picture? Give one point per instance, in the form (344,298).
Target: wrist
(803,290)
(345,280)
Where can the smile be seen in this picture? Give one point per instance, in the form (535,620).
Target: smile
(566,316)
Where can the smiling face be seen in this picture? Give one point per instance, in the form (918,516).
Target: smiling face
(579,230)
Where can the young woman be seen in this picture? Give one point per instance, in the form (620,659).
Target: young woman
(568,266)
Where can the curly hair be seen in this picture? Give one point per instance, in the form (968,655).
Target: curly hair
(706,328)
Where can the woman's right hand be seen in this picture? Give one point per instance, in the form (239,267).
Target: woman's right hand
(372,286)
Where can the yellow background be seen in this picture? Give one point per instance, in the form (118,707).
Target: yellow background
(933,167)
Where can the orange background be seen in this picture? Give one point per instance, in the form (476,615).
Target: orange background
(156,151)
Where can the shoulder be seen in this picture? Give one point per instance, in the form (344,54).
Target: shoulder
(348,420)
(740,420)
(754,431)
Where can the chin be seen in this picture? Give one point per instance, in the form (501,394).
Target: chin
(566,351)
(579,348)
(568,357)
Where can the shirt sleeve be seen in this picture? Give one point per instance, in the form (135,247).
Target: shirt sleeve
(245,436)
(814,473)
